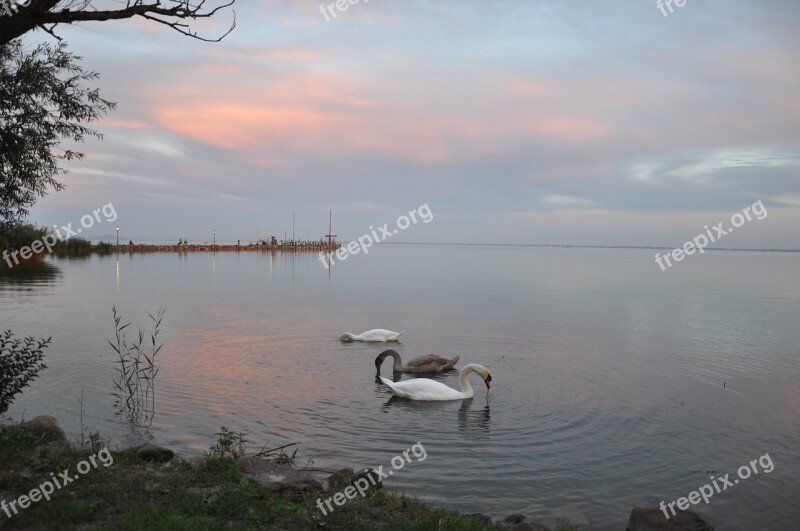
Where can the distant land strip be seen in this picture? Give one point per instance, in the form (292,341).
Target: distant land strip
(567,246)
(156,248)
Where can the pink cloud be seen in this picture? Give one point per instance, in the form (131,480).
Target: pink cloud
(125,124)
(571,128)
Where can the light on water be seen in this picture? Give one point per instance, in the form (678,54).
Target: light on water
(614,384)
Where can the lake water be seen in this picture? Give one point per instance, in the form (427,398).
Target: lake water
(615,384)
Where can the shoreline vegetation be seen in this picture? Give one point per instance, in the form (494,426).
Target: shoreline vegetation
(148,487)
(23,245)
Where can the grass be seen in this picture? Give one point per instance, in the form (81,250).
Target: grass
(206,493)
(135,390)
(76,246)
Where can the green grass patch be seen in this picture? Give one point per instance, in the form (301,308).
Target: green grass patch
(207,493)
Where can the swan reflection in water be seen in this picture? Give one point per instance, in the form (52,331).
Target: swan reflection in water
(426,394)
(474,421)
(474,424)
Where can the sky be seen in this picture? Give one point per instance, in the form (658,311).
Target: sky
(515,121)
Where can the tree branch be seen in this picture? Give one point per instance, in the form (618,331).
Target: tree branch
(52,12)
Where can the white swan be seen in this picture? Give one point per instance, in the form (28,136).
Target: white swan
(427,389)
(376,335)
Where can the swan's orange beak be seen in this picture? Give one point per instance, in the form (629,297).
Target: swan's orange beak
(488,381)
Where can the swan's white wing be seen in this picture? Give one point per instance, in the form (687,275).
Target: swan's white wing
(378,334)
(423,389)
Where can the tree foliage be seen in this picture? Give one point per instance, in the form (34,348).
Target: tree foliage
(44,100)
(48,14)
(20,235)
(20,362)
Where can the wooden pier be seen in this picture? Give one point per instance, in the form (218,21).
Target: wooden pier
(206,247)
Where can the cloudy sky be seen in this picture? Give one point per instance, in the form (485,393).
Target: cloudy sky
(516,121)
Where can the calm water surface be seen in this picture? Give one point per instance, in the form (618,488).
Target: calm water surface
(607,373)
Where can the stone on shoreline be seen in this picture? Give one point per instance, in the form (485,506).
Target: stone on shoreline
(371,475)
(653,519)
(520,522)
(526,525)
(277,476)
(345,477)
(340,479)
(480,517)
(515,518)
(154,453)
(44,427)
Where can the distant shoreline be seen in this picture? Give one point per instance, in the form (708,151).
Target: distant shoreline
(205,247)
(567,246)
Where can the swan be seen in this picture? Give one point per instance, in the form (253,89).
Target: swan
(427,363)
(427,389)
(376,335)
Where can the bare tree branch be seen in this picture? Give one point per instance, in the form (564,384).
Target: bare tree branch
(39,14)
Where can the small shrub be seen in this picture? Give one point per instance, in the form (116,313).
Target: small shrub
(104,248)
(21,235)
(229,444)
(74,246)
(20,362)
(232,444)
(280,456)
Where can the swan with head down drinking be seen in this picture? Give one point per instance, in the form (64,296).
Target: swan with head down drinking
(431,390)
(376,335)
